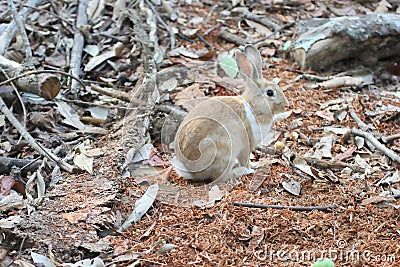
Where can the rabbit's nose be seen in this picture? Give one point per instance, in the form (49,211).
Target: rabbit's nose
(286,103)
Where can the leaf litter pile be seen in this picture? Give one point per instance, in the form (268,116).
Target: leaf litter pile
(90,138)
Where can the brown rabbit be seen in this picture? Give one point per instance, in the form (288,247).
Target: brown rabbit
(222,130)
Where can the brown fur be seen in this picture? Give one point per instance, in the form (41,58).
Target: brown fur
(221,130)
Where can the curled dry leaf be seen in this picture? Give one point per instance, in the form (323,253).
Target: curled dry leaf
(10,222)
(42,260)
(142,205)
(347,154)
(43,121)
(189,97)
(293,187)
(82,159)
(97,60)
(70,115)
(12,201)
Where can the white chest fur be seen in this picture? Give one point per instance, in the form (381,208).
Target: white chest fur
(261,132)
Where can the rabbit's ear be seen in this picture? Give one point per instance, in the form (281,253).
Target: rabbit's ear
(253,55)
(245,67)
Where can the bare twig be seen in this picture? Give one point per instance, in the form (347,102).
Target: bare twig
(198,35)
(363,126)
(8,35)
(261,20)
(118,95)
(91,104)
(311,77)
(390,138)
(24,164)
(166,26)
(21,28)
(332,164)
(232,38)
(260,42)
(44,152)
(49,12)
(79,41)
(388,152)
(294,208)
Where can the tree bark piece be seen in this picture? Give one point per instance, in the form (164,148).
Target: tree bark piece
(44,85)
(367,38)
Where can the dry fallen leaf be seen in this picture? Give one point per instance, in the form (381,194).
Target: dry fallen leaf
(189,97)
(293,187)
(347,154)
(82,159)
(97,60)
(142,205)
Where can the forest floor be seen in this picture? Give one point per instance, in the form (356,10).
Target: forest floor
(80,215)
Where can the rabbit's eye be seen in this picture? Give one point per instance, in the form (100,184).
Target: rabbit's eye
(270,92)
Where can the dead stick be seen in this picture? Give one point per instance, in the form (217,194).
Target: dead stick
(8,35)
(332,164)
(79,41)
(294,208)
(390,138)
(166,26)
(363,126)
(118,95)
(44,152)
(230,37)
(388,152)
(42,71)
(22,31)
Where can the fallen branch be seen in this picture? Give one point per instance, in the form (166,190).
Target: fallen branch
(42,71)
(259,19)
(46,86)
(126,97)
(363,126)
(166,26)
(389,139)
(231,38)
(388,152)
(294,208)
(332,164)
